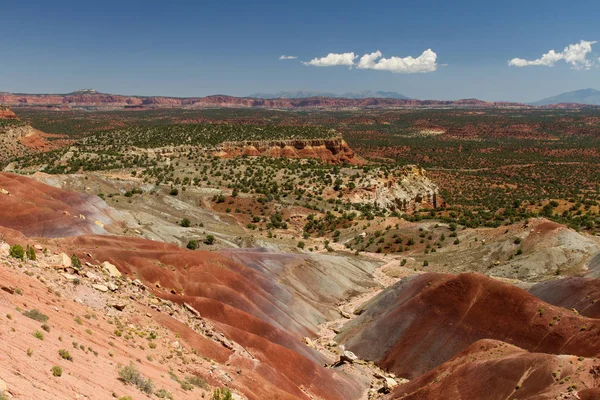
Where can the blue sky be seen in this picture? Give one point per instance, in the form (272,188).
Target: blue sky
(196,48)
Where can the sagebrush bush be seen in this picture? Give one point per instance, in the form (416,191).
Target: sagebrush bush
(36,315)
(65,354)
(76,262)
(129,374)
(30,252)
(16,251)
(222,394)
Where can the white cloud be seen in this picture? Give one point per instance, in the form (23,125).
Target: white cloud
(574,54)
(287,57)
(426,62)
(333,59)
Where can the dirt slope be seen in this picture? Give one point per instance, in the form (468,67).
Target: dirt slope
(494,370)
(36,209)
(423,321)
(579,293)
(547,248)
(81,322)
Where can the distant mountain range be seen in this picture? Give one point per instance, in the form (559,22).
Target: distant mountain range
(583,96)
(303,94)
(91,99)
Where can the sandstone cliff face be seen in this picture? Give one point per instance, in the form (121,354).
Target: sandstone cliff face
(6,113)
(409,193)
(334,150)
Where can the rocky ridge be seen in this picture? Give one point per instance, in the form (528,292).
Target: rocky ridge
(409,192)
(334,150)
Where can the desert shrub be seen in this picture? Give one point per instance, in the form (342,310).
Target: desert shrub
(130,375)
(186,223)
(301,244)
(222,394)
(197,381)
(75,262)
(16,251)
(30,253)
(210,239)
(36,315)
(56,371)
(174,192)
(164,394)
(65,354)
(192,245)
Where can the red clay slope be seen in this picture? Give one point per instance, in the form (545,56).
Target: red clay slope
(249,306)
(36,209)
(582,294)
(494,370)
(423,321)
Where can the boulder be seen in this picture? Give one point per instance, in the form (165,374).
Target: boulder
(389,384)
(112,286)
(138,283)
(118,306)
(91,275)
(4,249)
(64,261)
(8,289)
(3,387)
(309,342)
(192,310)
(69,277)
(348,357)
(101,288)
(110,269)
(4,191)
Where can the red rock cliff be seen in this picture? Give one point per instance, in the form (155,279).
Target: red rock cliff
(92,99)
(334,150)
(6,113)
